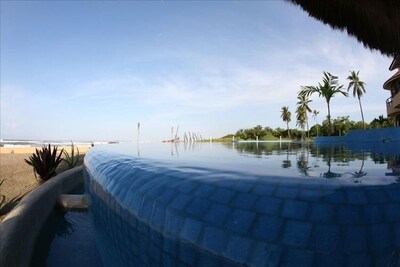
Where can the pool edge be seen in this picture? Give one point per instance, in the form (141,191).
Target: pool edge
(20,228)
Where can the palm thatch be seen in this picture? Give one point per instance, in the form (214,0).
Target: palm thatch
(375,23)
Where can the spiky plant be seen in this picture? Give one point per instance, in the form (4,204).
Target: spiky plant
(45,162)
(71,159)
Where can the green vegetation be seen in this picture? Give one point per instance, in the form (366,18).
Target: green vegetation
(339,126)
(71,159)
(358,89)
(45,162)
(286,117)
(328,89)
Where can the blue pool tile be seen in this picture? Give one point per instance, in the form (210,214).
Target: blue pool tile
(356,197)
(187,187)
(187,254)
(214,240)
(217,214)
(335,196)
(208,261)
(310,195)
(204,190)
(392,212)
(380,237)
(245,201)
(297,233)
(326,237)
(243,187)
(269,205)
(192,229)
(238,248)
(170,245)
(329,260)
(394,194)
(322,213)
(298,258)
(155,191)
(173,223)
(396,233)
(169,261)
(158,217)
(264,254)
(294,209)
(287,192)
(240,220)
(146,210)
(376,196)
(355,238)
(350,214)
(373,213)
(155,237)
(166,196)
(222,195)
(265,190)
(268,228)
(154,253)
(363,260)
(180,201)
(198,206)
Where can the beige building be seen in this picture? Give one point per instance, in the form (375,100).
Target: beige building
(393,85)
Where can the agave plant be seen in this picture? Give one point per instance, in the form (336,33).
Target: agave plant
(45,162)
(71,159)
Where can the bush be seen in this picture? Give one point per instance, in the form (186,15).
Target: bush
(72,159)
(45,162)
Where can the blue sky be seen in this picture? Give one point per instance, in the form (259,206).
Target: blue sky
(93,70)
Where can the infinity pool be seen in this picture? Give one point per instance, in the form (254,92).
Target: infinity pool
(253,204)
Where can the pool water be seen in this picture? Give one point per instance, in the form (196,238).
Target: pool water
(67,239)
(362,164)
(233,204)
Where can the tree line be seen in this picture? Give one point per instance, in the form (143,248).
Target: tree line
(339,126)
(327,89)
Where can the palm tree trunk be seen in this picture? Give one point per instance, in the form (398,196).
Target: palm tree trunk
(329,120)
(287,125)
(362,114)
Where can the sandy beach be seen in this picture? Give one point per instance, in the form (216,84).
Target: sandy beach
(16,176)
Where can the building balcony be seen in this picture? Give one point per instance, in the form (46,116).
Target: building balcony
(393,105)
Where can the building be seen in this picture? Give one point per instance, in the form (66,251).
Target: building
(393,85)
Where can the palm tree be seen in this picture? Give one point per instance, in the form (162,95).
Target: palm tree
(301,119)
(327,90)
(315,116)
(303,103)
(285,115)
(358,89)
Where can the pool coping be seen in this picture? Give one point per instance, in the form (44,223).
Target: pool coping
(21,227)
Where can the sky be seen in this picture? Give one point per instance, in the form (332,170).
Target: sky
(93,70)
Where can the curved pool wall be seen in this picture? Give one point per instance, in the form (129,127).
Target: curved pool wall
(384,135)
(156,213)
(21,227)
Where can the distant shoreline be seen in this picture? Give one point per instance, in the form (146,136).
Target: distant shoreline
(31,149)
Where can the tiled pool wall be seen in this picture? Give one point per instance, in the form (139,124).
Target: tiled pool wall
(146,214)
(384,135)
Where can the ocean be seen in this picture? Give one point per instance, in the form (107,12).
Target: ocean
(39,143)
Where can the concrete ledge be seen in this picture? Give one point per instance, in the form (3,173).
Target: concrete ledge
(19,230)
(72,201)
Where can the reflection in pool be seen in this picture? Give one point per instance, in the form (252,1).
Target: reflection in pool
(256,204)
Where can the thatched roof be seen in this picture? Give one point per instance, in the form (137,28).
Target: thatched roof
(375,23)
